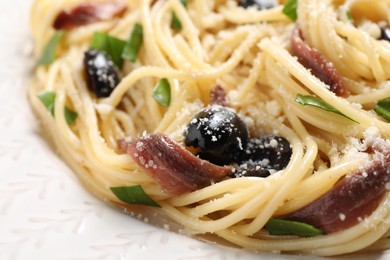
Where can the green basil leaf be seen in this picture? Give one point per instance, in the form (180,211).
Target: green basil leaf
(176,24)
(184,2)
(111,45)
(383,108)
(319,103)
(349,15)
(280,227)
(48,100)
(49,52)
(133,195)
(133,45)
(290,9)
(162,92)
(70,116)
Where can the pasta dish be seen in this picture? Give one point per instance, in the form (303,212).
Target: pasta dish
(260,123)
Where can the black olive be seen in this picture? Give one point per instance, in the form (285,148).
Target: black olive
(249,169)
(259,4)
(385,34)
(102,74)
(218,133)
(272,152)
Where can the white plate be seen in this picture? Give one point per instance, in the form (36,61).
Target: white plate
(44,211)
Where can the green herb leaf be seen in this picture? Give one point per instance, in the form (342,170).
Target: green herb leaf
(49,52)
(383,108)
(349,15)
(70,116)
(110,45)
(281,227)
(290,9)
(48,100)
(162,92)
(133,195)
(319,103)
(133,45)
(176,24)
(184,2)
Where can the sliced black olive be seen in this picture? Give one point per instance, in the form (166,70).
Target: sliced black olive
(219,134)
(259,4)
(385,34)
(273,152)
(102,74)
(250,169)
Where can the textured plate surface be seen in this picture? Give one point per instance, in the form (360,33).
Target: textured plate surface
(44,211)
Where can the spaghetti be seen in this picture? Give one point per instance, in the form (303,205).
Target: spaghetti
(246,51)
